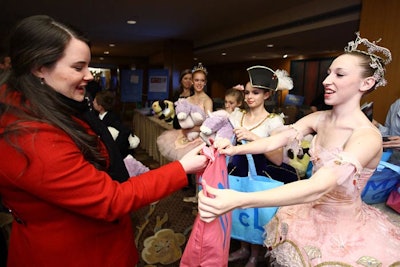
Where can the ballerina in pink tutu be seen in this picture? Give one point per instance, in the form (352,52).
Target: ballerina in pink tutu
(323,220)
(174,144)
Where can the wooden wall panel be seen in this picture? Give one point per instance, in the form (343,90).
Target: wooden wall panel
(310,80)
(380,19)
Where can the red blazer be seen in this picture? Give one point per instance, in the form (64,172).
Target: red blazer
(67,213)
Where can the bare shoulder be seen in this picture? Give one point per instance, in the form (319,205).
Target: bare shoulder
(308,124)
(366,144)
(365,134)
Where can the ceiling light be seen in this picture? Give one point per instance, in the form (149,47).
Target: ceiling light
(223,54)
(270,45)
(111,45)
(131,22)
(285,56)
(101,58)
(106,52)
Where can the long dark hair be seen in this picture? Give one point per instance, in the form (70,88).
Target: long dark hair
(35,42)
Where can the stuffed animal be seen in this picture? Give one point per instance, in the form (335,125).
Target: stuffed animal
(215,126)
(189,115)
(133,140)
(133,166)
(164,109)
(298,157)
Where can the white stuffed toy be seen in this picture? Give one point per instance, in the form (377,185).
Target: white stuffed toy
(133,140)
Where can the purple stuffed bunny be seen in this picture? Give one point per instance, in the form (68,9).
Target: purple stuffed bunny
(189,115)
(216,126)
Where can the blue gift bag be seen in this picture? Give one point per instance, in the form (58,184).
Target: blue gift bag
(381,183)
(248,224)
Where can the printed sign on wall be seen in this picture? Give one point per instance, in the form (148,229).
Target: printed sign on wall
(158,84)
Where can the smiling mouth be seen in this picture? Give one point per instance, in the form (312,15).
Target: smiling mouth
(329,91)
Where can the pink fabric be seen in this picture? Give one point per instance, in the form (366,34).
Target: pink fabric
(393,200)
(338,228)
(208,244)
(173,144)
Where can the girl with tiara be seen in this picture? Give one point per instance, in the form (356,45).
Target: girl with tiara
(322,221)
(173,144)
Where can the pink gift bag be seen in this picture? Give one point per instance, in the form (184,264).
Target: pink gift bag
(393,200)
(208,244)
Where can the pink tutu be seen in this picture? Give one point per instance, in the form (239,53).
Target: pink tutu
(338,229)
(173,144)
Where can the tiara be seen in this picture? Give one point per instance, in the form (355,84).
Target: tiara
(376,53)
(199,67)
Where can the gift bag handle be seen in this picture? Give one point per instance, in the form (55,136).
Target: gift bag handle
(252,167)
(250,160)
(384,164)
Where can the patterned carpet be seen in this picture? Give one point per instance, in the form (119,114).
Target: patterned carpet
(169,213)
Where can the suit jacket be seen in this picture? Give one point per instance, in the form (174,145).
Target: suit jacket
(68,213)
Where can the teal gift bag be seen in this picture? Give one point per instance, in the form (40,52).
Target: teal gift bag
(248,224)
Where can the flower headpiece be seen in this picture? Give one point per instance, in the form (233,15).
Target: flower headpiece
(199,67)
(238,87)
(373,50)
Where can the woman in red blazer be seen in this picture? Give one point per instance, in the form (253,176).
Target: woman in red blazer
(54,169)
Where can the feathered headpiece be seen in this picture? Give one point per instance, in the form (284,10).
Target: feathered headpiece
(265,78)
(380,56)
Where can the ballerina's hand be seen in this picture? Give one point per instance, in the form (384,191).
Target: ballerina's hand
(224,146)
(215,203)
(244,134)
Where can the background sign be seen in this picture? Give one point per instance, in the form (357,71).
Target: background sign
(158,84)
(131,85)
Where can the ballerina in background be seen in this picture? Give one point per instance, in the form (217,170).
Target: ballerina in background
(175,143)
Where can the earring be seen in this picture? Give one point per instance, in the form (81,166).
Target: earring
(42,81)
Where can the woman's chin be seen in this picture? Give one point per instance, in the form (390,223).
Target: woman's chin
(78,97)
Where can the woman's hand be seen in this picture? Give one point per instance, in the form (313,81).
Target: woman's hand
(244,134)
(218,202)
(194,161)
(393,142)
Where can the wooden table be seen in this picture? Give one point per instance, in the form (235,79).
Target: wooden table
(148,128)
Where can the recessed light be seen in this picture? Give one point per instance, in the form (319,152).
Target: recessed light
(223,54)
(285,56)
(111,45)
(131,22)
(106,52)
(101,58)
(270,45)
